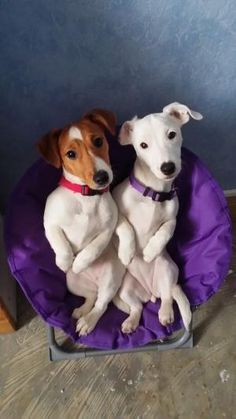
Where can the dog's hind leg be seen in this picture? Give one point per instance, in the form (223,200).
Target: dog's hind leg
(120,304)
(133,296)
(165,278)
(166,312)
(167,273)
(130,324)
(81,285)
(110,280)
(90,299)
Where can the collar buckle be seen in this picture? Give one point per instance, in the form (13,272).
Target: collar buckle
(148,192)
(154,195)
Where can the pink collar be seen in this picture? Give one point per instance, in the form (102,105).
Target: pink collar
(82,189)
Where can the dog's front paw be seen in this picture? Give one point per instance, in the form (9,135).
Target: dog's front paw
(166,315)
(125,257)
(149,252)
(152,250)
(126,253)
(80,264)
(64,262)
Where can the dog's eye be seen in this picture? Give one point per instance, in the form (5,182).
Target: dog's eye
(144,145)
(98,142)
(71,154)
(171,135)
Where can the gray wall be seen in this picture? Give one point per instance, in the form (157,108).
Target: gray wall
(60,58)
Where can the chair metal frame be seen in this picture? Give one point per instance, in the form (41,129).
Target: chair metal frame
(58,353)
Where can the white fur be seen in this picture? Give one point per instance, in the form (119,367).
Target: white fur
(75,133)
(153,130)
(79,229)
(183,111)
(145,227)
(72,178)
(100,164)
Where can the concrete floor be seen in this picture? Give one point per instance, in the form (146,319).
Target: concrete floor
(179,384)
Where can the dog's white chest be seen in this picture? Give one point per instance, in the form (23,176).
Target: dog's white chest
(145,215)
(80,230)
(81,218)
(91,216)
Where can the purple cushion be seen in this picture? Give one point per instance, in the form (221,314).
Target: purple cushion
(201,247)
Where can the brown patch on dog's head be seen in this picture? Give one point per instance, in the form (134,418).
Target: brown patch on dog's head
(76,147)
(75,155)
(101,117)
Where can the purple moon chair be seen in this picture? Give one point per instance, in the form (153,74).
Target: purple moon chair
(201,247)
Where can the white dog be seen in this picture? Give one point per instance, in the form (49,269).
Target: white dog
(148,206)
(80,215)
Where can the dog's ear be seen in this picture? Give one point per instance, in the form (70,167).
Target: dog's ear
(103,118)
(49,149)
(126,131)
(181,113)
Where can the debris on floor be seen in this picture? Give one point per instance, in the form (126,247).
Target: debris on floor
(140,375)
(224,376)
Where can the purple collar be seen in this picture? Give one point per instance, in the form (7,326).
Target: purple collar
(149,192)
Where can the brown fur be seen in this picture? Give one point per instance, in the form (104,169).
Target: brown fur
(104,118)
(54,145)
(48,147)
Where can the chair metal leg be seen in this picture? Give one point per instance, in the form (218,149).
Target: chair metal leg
(57,353)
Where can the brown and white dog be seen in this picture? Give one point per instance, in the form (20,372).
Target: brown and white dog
(80,215)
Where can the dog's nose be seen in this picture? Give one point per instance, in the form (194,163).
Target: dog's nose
(168,168)
(101,177)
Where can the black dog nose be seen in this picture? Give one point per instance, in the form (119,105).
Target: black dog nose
(101,177)
(168,168)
